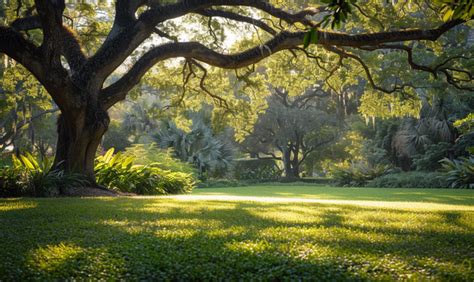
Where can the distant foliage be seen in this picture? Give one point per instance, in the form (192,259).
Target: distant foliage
(414,179)
(211,154)
(29,176)
(464,145)
(13,182)
(359,173)
(211,183)
(433,153)
(118,172)
(256,169)
(162,158)
(460,172)
(116,137)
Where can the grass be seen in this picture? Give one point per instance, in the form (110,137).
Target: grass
(308,191)
(231,233)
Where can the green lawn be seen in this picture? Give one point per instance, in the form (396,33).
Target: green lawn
(293,232)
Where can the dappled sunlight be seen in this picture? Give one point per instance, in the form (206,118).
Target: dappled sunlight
(15,204)
(199,207)
(51,257)
(376,204)
(439,196)
(52,260)
(236,236)
(251,247)
(233,231)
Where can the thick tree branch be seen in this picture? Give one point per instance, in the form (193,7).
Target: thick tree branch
(128,33)
(69,44)
(236,17)
(440,68)
(26,23)
(282,41)
(14,45)
(51,17)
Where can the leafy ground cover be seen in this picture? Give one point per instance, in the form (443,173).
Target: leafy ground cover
(236,233)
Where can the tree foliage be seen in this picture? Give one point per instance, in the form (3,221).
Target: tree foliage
(88,58)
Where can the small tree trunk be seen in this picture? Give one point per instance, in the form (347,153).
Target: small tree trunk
(291,172)
(287,163)
(79,136)
(296,169)
(295,166)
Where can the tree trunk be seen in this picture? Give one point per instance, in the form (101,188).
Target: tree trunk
(295,165)
(296,168)
(291,171)
(79,136)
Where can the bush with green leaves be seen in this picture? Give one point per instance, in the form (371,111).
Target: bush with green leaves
(433,153)
(359,173)
(212,154)
(256,169)
(211,183)
(412,179)
(119,172)
(460,172)
(29,176)
(13,182)
(163,158)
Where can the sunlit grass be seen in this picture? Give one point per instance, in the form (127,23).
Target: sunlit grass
(133,238)
(441,196)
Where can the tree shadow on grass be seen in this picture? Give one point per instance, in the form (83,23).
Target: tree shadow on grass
(153,239)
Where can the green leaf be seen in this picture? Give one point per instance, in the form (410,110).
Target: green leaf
(314,36)
(306,39)
(310,37)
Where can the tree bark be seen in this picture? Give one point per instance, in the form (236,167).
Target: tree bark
(79,136)
(291,170)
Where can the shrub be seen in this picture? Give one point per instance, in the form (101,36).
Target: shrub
(413,179)
(29,176)
(358,174)
(460,172)
(429,160)
(175,182)
(149,153)
(13,182)
(118,172)
(464,145)
(210,183)
(256,169)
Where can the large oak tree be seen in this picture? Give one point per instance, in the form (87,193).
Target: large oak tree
(76,80)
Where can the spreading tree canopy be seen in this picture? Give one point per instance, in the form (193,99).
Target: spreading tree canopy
(40,37)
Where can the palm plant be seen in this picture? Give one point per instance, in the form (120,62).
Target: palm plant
(460,173)
(37,177)
(209,153)
(415,135)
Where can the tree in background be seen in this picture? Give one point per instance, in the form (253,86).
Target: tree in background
(292,128)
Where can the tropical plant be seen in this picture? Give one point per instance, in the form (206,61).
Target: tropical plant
(118,172)
(36,177)
(433,153)
(162,158)
(256,169)
(460,172)
(211,154)
(13,182)
(411,179)
(359,173)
